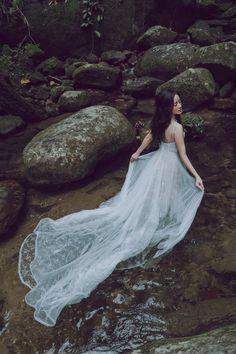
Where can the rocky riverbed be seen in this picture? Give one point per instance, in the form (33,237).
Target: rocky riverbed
(190,291)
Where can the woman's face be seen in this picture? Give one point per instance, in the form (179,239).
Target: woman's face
(177,107)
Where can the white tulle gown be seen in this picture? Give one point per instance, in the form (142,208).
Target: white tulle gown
(63,260)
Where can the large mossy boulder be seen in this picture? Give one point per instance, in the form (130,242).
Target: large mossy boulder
(97,76)
(165,61)
(71,149)
(156,35)
(220,59)
(195,86)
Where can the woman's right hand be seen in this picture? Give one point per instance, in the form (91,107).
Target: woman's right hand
(199,183)
(134,157)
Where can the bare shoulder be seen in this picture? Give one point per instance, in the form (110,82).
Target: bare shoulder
(179,128)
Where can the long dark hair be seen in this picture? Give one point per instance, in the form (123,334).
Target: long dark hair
(162,116)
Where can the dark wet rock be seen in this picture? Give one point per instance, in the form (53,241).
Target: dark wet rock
(71,149)
(196,86)
(220,59)
(220,340)
(51,108)
(13,103)
(51,66)
(58,90)
(97,76)
(92,58)
(222,104)
(10,125)
(39,92)
(141,86)
(201,34)
(37,78)
(122,103)
(165,61)
(226,89)
(205,3)
(70,68)
(156,35)
(72,101)
(11,202)
(113,56)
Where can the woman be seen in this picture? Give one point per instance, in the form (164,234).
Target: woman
(63,260)
(166,128)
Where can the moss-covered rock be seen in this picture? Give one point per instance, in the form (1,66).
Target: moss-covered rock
(165,61)
(34,52)
(71,149)
(97,76)
(220,59)
(72,101)
(200,33)
(196,86)
(141,86)
(51,66)
(156,35)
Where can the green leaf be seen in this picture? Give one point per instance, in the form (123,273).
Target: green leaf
(98,34)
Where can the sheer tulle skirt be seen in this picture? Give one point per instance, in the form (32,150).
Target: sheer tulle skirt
(63,260)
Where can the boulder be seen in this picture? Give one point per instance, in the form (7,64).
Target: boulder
(97,76)
(156,35)
(141,86)
(71,149)
(51,66)
(220,59)
(72,101)
(195,86)
(113,56)
(165,61)
(201,34)
(10,124)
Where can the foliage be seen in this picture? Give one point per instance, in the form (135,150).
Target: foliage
(194,125)
(92,13)
(10,7)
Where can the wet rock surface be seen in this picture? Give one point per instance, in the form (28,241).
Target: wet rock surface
(220,340)
(12,197)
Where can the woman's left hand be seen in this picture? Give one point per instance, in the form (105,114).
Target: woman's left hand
(199,183)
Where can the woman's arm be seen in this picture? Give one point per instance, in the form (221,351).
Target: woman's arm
(179,139)
(146,141)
